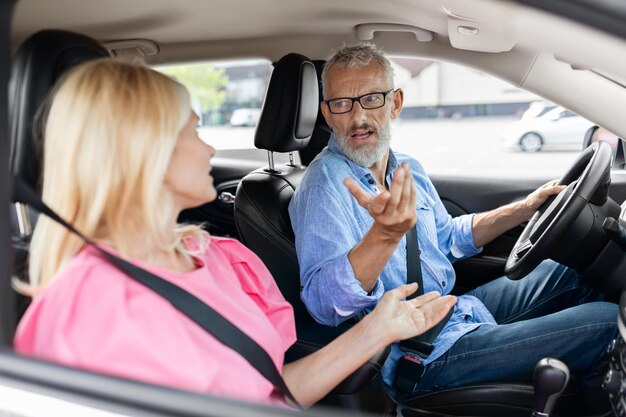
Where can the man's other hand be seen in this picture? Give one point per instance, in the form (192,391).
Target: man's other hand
(540,195)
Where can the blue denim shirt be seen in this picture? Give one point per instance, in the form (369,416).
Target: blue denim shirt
(328,222)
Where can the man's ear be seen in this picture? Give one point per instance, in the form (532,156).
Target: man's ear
(396,105)
(326,114)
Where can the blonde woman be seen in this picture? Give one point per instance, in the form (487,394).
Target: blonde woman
(122,159)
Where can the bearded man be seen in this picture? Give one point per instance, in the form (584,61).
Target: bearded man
(351,215)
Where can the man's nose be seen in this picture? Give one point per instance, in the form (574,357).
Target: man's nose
(358,113)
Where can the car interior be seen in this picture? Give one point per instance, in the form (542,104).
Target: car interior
(574,64)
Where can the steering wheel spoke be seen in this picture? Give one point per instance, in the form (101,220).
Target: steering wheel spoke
(522,248)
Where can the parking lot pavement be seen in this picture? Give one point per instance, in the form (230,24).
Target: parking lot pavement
(472,147)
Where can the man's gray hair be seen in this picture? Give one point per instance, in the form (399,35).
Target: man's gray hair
(356,56)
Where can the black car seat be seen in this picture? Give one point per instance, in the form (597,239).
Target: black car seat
(288,120)
(321,131)
(39,62)
(286,125)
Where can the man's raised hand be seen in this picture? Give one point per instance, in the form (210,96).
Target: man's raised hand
(393,211)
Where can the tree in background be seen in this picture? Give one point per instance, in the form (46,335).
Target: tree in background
(205,83)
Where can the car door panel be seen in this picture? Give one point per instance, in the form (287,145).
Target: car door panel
(462,195)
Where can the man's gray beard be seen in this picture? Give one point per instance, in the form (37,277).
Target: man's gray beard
(366,155)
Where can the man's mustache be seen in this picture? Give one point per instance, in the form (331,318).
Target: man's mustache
(362,127)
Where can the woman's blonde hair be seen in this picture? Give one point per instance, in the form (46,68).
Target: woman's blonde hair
(110,132)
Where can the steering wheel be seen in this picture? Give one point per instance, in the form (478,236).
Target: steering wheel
(587,181)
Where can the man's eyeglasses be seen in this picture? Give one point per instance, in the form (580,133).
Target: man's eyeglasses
(367,101)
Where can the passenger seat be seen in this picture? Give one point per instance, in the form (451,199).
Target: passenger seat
(40,61)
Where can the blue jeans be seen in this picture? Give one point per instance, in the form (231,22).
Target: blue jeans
(549,313)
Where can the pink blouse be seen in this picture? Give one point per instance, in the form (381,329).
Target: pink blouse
(93,316)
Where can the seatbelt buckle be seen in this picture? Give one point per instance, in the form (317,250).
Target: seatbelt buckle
(413,358)
(408,373)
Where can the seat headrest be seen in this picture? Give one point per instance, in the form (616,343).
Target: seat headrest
(290,107)
(39,63)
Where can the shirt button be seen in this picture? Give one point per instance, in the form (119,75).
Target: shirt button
(443,283)
(370,181)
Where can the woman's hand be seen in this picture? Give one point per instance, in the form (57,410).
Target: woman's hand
(313,376)
(401,319)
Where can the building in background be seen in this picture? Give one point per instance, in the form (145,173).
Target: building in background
(443,90)
(245,89)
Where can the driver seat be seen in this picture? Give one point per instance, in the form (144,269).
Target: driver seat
(288,120)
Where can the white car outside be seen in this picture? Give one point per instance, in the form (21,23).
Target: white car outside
(558,127)
(537,108)
(245,117)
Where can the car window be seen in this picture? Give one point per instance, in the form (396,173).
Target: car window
(455,120)
(458,121)
(228,96)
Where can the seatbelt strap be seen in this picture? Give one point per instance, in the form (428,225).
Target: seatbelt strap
(191,306)
(421,345)
(413,262)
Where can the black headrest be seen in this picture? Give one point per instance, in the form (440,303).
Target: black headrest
(38,64)
(321,133)
(291,105)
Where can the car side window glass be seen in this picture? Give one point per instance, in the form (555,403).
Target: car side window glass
(227,96)
(458,121)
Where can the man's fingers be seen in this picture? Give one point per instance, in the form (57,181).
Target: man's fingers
(357,192)
(407,200)
(395,190)
(379,203)
(559,188)
(413,193)
(374,204)
(548,190)
(553,187)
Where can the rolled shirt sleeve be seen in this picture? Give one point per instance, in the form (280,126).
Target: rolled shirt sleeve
(463,239)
